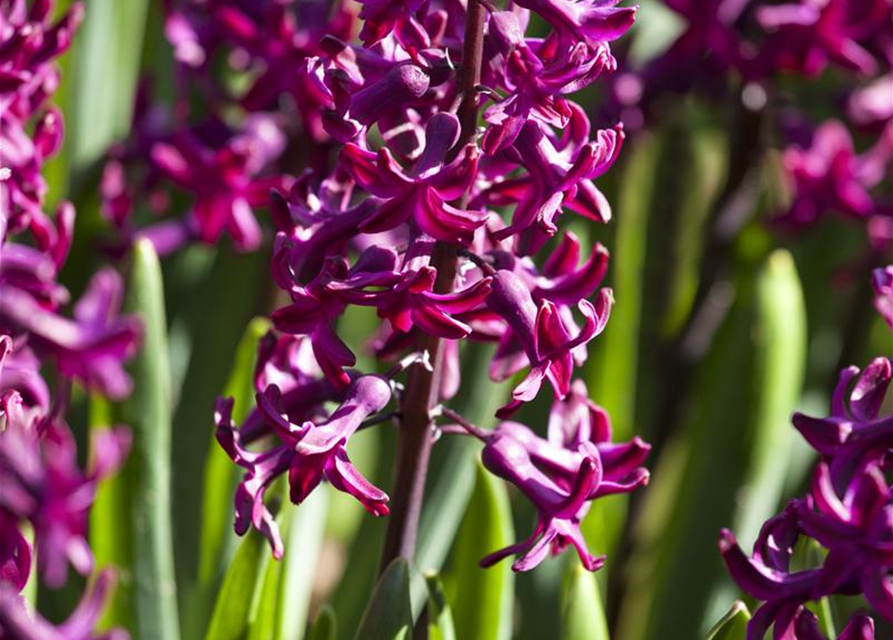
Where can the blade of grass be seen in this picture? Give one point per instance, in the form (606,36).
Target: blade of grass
(302,551)
(236,600)
(111,534)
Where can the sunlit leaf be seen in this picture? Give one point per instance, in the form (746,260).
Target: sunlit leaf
(482,599)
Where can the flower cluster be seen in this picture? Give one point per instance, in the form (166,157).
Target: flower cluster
(562,474)
(848,511)
(449,232)
(41,483)
(761,49)
(213,156)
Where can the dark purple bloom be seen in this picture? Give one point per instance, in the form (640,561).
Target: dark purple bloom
(806,36)
(848,511)
(854,432)
(17,623)
(405,297)
(829,175)
(543,335)
(561,476)
(29,44)
(422,195)
(557,177)
(584,20)
(308,452)
(92,346)
(223,182)
(40,482)
(882,282)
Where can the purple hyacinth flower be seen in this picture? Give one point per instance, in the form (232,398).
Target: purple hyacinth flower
(854,431)
(808,35)
(882,282)
(562,475)
(557,177)
(382,17)
(561,282)
(590,21)
(15,554)
(422,195)
(17,623)
(92,346)
(543,335)
(40,482)
(224,183)
(308,452)
(406,298)
(314,308)
(536,79)
(830,176)
(848,511)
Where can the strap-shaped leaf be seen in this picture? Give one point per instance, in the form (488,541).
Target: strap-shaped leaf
(440,616)
(733,625)
(388,615)
(482,599)
(583,615)
(148,413)
(324,626)
(237,599)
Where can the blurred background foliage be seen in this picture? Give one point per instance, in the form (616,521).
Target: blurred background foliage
(716,337)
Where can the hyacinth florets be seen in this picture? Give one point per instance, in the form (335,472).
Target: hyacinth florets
(44,494)
(441,226)
(848,512)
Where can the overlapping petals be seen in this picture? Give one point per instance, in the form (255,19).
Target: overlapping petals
(543,336)
(40,482)
(423,194)
(848,511)
(17,623)
(308,452)
(561,476)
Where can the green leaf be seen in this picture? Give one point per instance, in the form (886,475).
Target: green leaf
(779,332)
(108,49)
(732,445)
(111,534)
(303,542)
(733,625)
(324,626)
(148,413)
(583,616)
(215,313)
(482,598)
(388,615)
(440,616)
(220,472)
(236,600)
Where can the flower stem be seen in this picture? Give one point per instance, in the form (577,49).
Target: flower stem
(423,389)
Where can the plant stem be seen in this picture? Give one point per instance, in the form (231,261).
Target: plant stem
(423,390)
